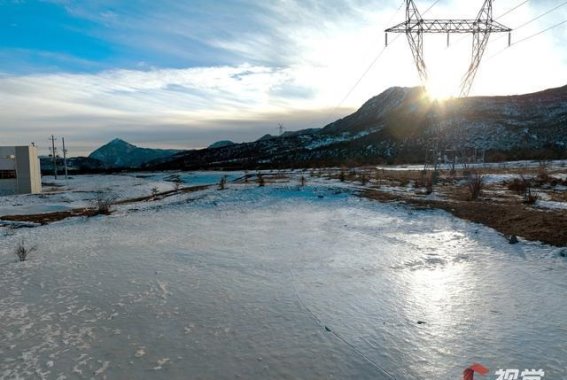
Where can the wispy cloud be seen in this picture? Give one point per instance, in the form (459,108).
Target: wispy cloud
(216,99)
(198,71)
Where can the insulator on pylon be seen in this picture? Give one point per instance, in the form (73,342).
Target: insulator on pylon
(386,39)
(509,39)
(448,39)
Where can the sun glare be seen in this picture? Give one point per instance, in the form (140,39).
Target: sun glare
(440,90)
(446,69)
(443,82)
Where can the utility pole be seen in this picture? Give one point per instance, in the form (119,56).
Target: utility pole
(281,129)
(54,155)
(64,157)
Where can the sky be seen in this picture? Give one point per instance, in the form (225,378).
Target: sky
(184,74)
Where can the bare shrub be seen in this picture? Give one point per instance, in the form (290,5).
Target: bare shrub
(302,181)
(103,202)
(378,175)
(475,186)
(429,186)
(261,180)
(177,182)
(530,198)
(352,174)
(519,185)
(22,251)
(342,176)
(155,192)
(543,176)
(435,176)
(10,230)
(222,183)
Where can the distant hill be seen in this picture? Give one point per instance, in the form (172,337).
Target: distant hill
(121,154)
(220,144)
(400,125)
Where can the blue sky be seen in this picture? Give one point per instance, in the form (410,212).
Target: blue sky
(187,73)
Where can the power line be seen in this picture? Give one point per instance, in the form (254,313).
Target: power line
(372,63)
(364,74)
(53,155)
(496,19)
(536,18)
(530,37)
(541,15)
(65,158)
(541,32)
(378,56)
(431,6)
(511,10)
(365,71)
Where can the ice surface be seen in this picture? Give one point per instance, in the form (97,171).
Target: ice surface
(241,283)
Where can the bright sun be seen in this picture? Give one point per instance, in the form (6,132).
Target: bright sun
(440,90)
(445,74)
(444,81)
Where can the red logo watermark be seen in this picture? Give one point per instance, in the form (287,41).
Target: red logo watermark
(503,374)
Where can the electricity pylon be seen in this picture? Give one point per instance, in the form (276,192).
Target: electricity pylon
(481,27)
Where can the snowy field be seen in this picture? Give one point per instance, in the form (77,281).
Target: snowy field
(79,191)
(272,282)
(533,164)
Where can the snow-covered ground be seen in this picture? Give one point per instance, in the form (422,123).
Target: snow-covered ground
(553,164)
(241,283)
(79,191)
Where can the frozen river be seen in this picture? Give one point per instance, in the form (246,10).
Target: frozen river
(278,283)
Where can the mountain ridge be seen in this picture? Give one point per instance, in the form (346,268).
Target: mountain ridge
(118,153)
(397,126)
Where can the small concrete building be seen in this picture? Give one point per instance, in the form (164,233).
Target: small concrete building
(20,172)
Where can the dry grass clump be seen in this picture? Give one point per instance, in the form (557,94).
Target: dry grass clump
(530,198)
(475,186)
(22,251)
(222,183)
(103,202)
(519,185)
(425,180)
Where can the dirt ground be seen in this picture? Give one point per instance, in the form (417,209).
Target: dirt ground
(511,206)
(547,226)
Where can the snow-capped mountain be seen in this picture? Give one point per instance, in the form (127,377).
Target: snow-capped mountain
(400,125)
(120,154)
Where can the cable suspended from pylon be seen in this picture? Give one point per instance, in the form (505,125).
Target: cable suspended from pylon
(481,28)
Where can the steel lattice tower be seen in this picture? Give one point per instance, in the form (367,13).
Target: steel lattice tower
(481,27)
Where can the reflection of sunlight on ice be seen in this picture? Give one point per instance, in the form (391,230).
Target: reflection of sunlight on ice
(442,298)
(439,305)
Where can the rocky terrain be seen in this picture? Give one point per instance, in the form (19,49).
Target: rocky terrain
(402,125)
